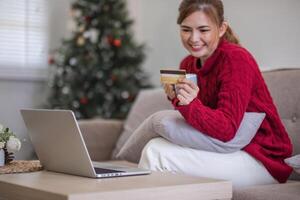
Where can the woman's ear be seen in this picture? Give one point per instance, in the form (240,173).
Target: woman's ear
(223,28)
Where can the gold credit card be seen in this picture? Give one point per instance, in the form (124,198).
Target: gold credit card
(171,76)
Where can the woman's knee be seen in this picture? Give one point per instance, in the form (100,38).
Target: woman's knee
(150,155)
(162,119)
(152,147)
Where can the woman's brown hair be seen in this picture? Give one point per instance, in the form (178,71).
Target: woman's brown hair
(214,9)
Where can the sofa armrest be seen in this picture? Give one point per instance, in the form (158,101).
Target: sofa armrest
(100,136)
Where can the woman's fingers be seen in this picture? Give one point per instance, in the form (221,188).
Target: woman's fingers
(169,90)
(191,88)
(187,91)
(182,100)
(185,86)
(184,93)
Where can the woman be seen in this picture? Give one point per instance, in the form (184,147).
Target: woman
(229,84)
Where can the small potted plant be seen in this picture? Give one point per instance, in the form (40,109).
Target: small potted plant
(9,144)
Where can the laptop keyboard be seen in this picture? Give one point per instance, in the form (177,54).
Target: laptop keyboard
(105,171)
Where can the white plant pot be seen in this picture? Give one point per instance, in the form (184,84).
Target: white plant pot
(2,158)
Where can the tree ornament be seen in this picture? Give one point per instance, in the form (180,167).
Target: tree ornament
(117,42)
(84,100)
(81,28)
(117,24)
(131,98)
(94,35)
(65,90)
(125,94)
(51,60)
(80,41)
(113,77)
(73,61)
(75,104)
(99,75)
(110,39)
(76,13)
(86,34)
(88,19)
(59,71)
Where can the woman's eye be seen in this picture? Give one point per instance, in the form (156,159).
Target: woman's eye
(203,31)
(185,30)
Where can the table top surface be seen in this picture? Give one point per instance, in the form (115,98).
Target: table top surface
(69,184)
(52,185)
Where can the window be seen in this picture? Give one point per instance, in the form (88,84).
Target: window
(23,38)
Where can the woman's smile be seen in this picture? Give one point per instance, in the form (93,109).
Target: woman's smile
(196,48)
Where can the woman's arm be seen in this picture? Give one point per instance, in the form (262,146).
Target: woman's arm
(236,82)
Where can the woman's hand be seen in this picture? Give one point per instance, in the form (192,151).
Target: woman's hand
(169,90)
(187,91)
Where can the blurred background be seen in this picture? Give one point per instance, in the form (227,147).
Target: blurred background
(269,29)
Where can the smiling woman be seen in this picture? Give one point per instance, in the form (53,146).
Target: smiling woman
(229,84)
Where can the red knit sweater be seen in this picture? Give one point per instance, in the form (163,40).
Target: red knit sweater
(231,84)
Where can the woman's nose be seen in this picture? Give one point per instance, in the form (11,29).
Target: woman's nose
(195,36)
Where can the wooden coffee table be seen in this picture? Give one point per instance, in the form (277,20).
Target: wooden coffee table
(45,185)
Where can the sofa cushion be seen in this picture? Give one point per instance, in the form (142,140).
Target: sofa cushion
(172,126)
(284,89)
(287,191)
(293,128)
(294,162)
(148,102)
(95,131)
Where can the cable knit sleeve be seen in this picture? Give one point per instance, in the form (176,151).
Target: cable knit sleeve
(234,85)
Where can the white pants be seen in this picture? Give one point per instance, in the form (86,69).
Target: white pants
(239,167)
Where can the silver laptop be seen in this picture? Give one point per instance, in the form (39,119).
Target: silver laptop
(60,147)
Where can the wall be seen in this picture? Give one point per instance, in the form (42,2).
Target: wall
(155,24)
(17,94)
(23,91)
(269,29)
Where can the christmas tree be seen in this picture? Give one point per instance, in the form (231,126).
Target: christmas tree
(97,71)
